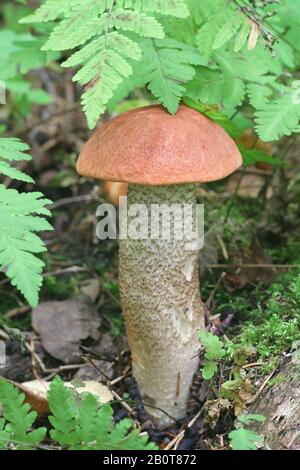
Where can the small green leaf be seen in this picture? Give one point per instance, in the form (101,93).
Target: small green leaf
(248,418)
(209,370)
(243,439)
(214,349)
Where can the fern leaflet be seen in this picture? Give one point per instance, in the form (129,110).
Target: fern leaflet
(19,419)
(19,222)
(278,118)
(100,29)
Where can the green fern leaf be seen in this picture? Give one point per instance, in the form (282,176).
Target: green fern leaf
(62,404)
(13,173)
(86,422)
(109,70)
(18,242)
(13,150)
(77,28)
(137,22)
(175,8)
(19,223)
(258,94)
(278,118)
(166,66)
(19,417)
(100,29)
(214,87)
(232,21)
(221,21)
(52,10)
(82,423)
(4,435)
(243,439)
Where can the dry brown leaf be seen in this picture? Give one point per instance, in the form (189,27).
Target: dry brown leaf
(253,36)
(214,409)
(63,325)
(35,392)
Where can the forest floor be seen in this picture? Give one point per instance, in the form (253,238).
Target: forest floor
(250,283)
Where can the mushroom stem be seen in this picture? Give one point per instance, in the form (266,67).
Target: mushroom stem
(160,295)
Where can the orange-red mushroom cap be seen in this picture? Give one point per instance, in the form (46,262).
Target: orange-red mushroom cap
(149,146)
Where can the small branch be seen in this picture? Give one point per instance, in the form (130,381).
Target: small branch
(177,439)
(61,272)
(253,266)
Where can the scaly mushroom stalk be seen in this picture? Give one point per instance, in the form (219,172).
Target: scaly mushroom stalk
(160,295)
(159,155)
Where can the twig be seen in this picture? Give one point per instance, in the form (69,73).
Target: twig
(177,439)
(70,270)
(253,364)
(71,200)
(123,403)
(119,379)
(17,311)
(213,292)
(263,385)
(42,366)
(252,266)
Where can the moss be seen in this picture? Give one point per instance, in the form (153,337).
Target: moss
(59,288)
(275,323)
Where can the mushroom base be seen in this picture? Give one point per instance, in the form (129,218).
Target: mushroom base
(160,295)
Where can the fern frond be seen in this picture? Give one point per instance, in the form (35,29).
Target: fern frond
(278,118)
(85,424)
(100,29)
(64,411)
(232,21)
(165,67)
(177,9)
(52,10)
(221,21)
(77,28)
(104,62)
(4,435)
(19,222)
(13,150)
(19,417)
(18,242)
(213,86)
(137,22)
(258,94)
(79,422)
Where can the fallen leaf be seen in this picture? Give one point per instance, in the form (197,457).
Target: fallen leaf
(214,408)
(91,289)
(35,392)
(63,325)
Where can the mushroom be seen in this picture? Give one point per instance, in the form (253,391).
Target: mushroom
(161,156)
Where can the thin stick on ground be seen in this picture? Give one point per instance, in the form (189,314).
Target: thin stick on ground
(173,445)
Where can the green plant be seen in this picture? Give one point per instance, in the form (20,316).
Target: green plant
(21,53)
(103,32)
(17,421)
(274,325)
(244,439)
(211,52)
(214,352)
(77,422)
(21,216)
